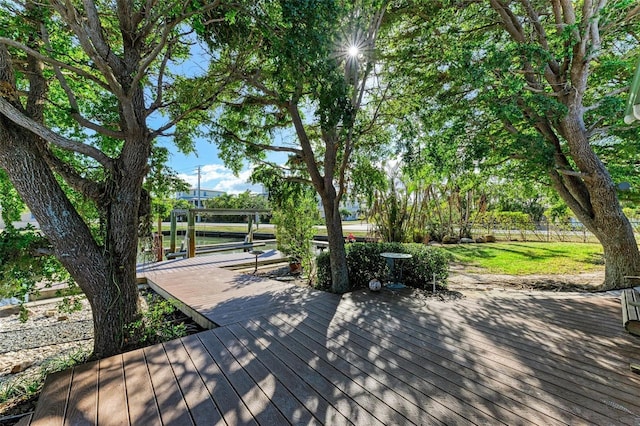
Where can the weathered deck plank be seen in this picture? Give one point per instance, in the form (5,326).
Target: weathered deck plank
(83,396)
(321,380)
(170,399)
(258,403)
(141,398)
(279,366)
(196,395)
(112,403)
(52,403)
(233,409)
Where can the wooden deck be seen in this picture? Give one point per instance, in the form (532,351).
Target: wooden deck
(288,356)
(213,296)
(225,260)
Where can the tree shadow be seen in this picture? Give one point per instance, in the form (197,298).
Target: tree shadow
(385,358)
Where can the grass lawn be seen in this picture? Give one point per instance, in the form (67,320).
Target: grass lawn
(523,258)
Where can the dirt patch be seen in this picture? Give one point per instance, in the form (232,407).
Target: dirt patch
(466,279)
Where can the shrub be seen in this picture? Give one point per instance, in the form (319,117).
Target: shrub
(323,271)
(295,219)
(154,326)
(365,263)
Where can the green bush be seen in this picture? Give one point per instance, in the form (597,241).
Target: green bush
(365,263)
(155,325)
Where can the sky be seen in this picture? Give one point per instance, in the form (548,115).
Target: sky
(213,174)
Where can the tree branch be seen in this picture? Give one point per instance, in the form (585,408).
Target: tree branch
(20,119)
(510,21)
(274,148)
(157,102)
(307,150)
(89,35)
(51,61)
(75,113)
(86,187)
(581,175)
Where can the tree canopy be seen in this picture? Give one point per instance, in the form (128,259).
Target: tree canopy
(301,75)
(537,89)
(79,85)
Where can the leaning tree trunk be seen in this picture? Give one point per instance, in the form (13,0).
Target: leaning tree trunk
(591,195)
(108,282)
(337,253)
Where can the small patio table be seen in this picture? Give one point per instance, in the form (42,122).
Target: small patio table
(396,277)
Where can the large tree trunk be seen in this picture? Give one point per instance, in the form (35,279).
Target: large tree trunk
(591,195)
(107,279)
(578,175)
(337,253)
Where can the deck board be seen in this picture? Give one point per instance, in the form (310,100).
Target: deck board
(169,397)
(320,379)
(280,396)
(112,404)
(141,398)
(286,355)
(83,396)
(258,403)
(52,403)
(234,411)
(196,395)
(312,400)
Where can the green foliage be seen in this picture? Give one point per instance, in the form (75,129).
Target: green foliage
(365,263)
(154,327)
(162,183)
(392,213)
(244,200)
(295,219)
(22,265)
(11,205)
(510,221)
(70,304)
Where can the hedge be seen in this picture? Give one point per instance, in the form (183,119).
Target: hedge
(365,263)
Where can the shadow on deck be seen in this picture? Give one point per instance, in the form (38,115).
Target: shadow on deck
(286,355)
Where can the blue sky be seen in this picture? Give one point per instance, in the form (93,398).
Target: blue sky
(213,174)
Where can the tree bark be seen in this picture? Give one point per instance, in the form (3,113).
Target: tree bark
(108,282)
(593,199)
(337,253)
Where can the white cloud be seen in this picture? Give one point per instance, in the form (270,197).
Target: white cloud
(220,178)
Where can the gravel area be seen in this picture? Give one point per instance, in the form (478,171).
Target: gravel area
(47,335)
(29,338)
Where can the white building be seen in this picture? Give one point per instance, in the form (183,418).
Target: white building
(192,196)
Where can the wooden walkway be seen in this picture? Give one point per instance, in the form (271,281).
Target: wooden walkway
(365,359)
(215,296)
